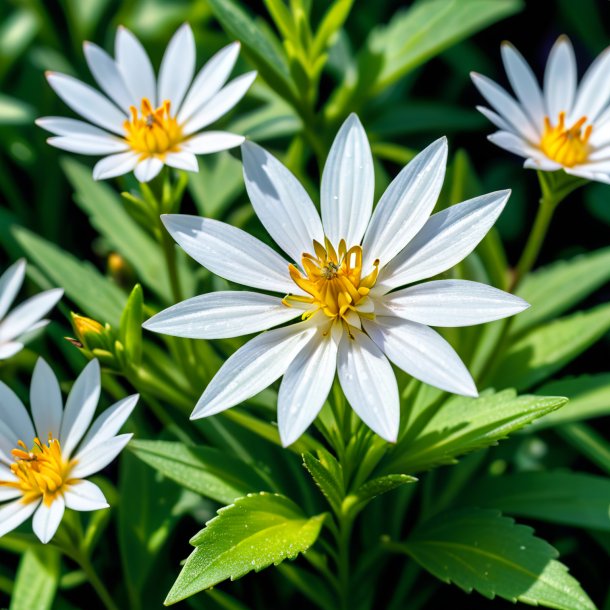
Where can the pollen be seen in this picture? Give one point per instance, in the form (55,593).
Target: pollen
(333,279)
(41,472)
(568,146)
(153,132)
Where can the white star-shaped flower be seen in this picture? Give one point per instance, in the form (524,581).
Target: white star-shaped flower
(342,271)
(143,124)
(564,126)
(44,462)
(18,325)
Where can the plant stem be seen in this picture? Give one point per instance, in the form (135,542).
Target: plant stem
(169,251)
(96,582)
(343,540)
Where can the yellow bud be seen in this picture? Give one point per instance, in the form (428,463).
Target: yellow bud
(89,333)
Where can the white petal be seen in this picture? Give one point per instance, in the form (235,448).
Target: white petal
(135,67)
(14,416)
(513,143)
(594,89)
(221,315)
(560,78)
(84,496)
(280,202)
(496,119)
(89,145)
(47,519)
(108,77)
(406,205)
(305,387)
(541,162)
(8,442)
(87,102)
(9,349)
(14,514)
(210,79)
(446,239)
(505,106)
(108,424)
(524,84)
(422,353)
(28,313)
(10,283)
(253,367)
(9,493)
(453,303)
(115,165)
(220,104)
(369,384)
(177,67)
(348,185)
(97,458)
(80,407)
(211,142)
(182,160)
(230,252)
(46,402)
(147,169)
(63,126)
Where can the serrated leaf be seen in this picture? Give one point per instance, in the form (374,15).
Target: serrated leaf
(461,425)
(552,290)
(547,348)
(482,550)
(569,498)
(328,479)
(255,532)
(37,579)
(210,472)
(95,295)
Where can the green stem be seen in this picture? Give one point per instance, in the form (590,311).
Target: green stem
(343,541)
(96,582)
(169,251)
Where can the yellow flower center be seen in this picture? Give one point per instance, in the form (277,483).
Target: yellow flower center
(153,132)
(568,146)
(333,279)
(41,472)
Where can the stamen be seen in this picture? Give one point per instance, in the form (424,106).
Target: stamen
(569,147)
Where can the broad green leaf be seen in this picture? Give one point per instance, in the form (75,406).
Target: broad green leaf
(483,551)
(37,579)
(570,498)
(95,295)
(255,532)
(328,476)
(552,290)
(547,348)
(358,499)
(589,397)
(461,425)
(210,472)
(107,214)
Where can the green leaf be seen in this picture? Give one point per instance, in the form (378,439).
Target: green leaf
(461,425)
(482,550)
(95,295)
(588,442)
(546,349)
(569,498)
(328,476)
(210,472)
(255,532)
(331,23)
(357,500)
(15,112)
(37,579)
(552,290)
(130,332)
(107,214)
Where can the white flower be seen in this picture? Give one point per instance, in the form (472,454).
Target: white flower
(25,319)
(344,267)
(143,124)
(564,126)
(43,465)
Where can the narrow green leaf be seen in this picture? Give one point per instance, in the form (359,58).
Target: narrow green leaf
(15,112)
(130,331)
(569,498)
(37,579)
(588,442)
(484,551)
(328,479)
(210,472)
(331,23)
(255,532)
(357,500)
(95,295)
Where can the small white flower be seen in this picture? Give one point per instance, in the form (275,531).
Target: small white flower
(25,319)
(344,267)
(565,126)
(44,463)
(143,123)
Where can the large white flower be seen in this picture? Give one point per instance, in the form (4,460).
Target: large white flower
(44,463)
(25,319)
(340,281)
(565,126)
(143,123)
